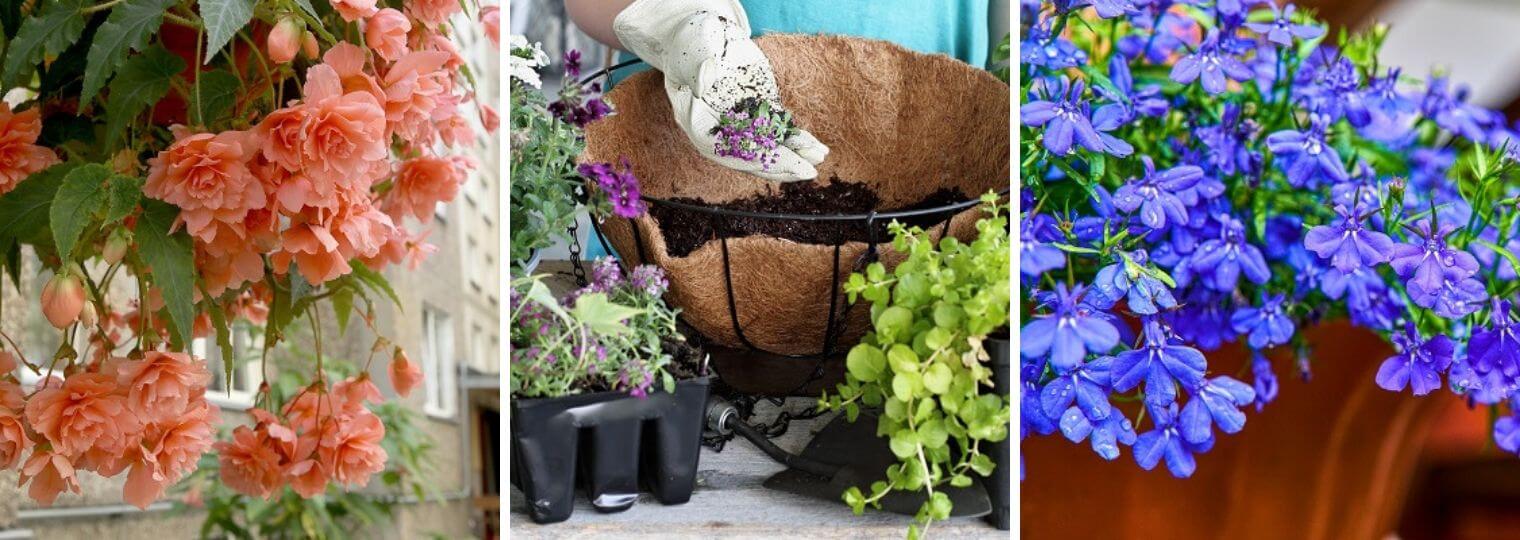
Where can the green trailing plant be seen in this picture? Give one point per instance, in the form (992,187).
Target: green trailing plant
(923,362)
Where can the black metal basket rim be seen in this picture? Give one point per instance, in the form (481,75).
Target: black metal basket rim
(868,217)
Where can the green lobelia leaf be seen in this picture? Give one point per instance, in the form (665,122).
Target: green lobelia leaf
(55,26)
(79,198)
(126,29)
(142,81)
(122,195)
(217,94)
(24,211)
(171,264)
(223,19)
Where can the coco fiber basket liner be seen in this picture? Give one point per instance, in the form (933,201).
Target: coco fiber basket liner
(905,124)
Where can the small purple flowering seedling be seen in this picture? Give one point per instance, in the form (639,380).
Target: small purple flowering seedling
(751,131)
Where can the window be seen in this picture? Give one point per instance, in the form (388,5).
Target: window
(247,347)
(437,363)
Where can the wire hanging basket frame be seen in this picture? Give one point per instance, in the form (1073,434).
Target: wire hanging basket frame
(838,315)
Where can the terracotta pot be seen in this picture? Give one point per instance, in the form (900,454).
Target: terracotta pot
(1332,458)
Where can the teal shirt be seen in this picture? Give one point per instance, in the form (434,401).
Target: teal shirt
(958,28)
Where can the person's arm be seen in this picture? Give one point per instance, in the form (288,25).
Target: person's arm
(594,17)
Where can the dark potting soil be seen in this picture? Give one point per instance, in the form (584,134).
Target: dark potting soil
(686,230)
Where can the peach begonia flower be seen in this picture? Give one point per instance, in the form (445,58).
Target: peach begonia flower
(161,386)
(432,12)
(12,397)
(422,183)
(13,440)
(170,451)
(405,375)
(206,175)
(280,135)
(348,60)
(412,88)
(311,246)
(86,412)
(305,472)
(345,130)
(353,393)
(353,10)
(20,156)
(284,41)
(385,33)
(50,473)
(489,118)
(490,17)
(248,464)
(354,453)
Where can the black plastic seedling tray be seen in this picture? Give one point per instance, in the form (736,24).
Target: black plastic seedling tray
(610,445)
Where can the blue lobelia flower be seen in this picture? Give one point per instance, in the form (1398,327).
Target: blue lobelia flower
(1204,320)
(1128,277)
(1166,441)
(1222,260)
(1229,152)
(1427,260)
(1087,384)
(1282,30)
(1418,364)
(1068,334)
(1451,111)
(1359,287)
(1330,85)
(1065,114)
(1215,402)
(1032,420)
(1390,110)
(1147,101)
(1347,243)
(1165,34)
(1265,380)
(1036,255)
(1160,363)
(1268,325)
(1109,9)
(1106,434)
(1453,299)
(1212,64)
(1496,348)
(1308,154)
(1155,194)
(1507,431)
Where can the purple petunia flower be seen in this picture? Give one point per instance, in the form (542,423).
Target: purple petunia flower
(1308,154)
(1222,260)
(1166,441)
(1268,325)
(1215,402)
(1282,30)
(621,187)
(1106,434)
(1087,384)
(1068,334)
(1155,194)
(1212,64)
(1427,262)
(1036,255)
(1161,364)
(1265,380)
(1419,363)
(1347,243)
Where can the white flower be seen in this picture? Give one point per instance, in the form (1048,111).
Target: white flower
(525,59)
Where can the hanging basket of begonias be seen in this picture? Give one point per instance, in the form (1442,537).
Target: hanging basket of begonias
(179,165)
(1226,175)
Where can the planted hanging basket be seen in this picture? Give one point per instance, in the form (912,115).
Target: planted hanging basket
(611,445)
(922,135)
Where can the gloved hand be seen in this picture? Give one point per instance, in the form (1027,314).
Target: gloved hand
(710,66)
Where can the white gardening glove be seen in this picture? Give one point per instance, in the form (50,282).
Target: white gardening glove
(710,65)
